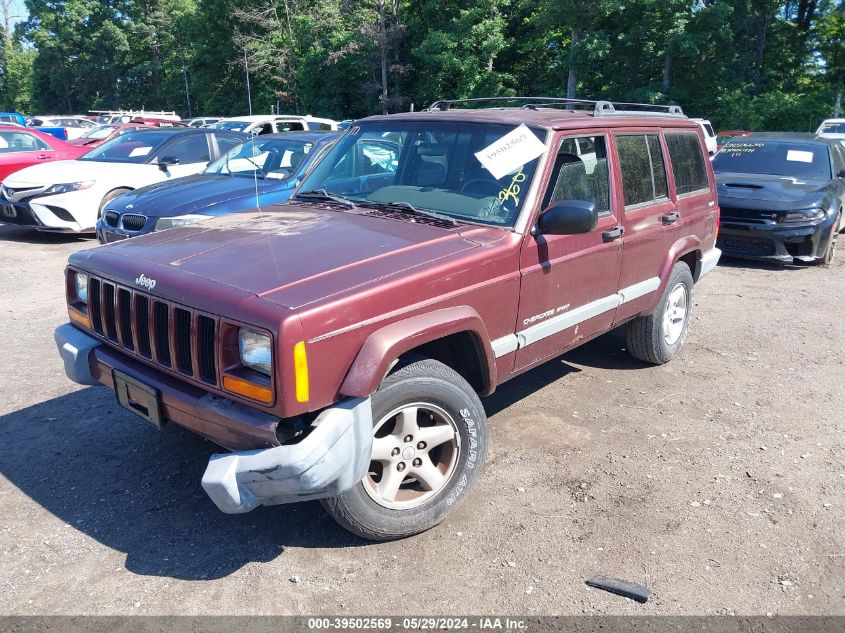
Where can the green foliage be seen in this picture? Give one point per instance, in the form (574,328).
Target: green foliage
(754,64)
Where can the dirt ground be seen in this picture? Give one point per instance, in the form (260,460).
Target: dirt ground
(716,480)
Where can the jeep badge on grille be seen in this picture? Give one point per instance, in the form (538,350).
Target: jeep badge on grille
(145,282)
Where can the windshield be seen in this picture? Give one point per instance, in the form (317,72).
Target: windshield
(721,139)
(133,147)
(776,158)
(101,131)
(234,126)
(832,127)
(275,159)
(433,166)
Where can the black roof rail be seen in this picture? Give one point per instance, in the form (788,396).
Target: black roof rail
(599,108)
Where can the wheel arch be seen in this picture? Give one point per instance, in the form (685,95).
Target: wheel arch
(122,188)
(456,336)
(687,250)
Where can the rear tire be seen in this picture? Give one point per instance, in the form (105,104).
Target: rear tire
(430,441)
(658,337)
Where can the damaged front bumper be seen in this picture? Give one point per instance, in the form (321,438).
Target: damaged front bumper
(331,458)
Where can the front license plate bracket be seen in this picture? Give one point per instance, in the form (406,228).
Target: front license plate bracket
(140,399)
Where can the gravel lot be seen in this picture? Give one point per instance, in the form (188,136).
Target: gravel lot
(716,480)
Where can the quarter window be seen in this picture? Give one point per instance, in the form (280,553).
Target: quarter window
(643,171)
(687,158)
(580,173)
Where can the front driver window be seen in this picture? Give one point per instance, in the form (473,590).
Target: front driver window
(580,172)
(190,149)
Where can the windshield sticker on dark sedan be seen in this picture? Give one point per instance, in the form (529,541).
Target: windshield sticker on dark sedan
(799,156)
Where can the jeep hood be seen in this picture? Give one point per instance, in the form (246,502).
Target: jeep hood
(294,255)
(194,194)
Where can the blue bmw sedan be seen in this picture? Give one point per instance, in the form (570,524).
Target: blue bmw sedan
(262,171)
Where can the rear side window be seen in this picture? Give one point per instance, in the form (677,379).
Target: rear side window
(643,171)
(687,158)
(14,141)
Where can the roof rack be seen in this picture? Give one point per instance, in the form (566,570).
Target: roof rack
(599,108)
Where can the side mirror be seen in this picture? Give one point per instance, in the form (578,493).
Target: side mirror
(568,217)
(166,161)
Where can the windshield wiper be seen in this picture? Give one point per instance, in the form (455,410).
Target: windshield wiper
(322,194)
(400,204)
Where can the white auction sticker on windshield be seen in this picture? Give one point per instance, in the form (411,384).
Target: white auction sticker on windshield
(799,156)
(140,151)
(512,151)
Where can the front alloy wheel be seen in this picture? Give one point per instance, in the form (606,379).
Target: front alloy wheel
(415,450)
(429,442)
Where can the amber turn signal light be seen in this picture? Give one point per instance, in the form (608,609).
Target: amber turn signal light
(247,389)
(300,369)
(78,318)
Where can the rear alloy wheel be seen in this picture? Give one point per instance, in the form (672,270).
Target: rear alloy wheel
(658,337)
(429,441)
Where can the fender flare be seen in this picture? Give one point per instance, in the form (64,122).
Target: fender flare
(684,246)
(387,344)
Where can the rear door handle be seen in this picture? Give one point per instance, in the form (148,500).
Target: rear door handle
(43,156)
(669,218)
(612,234)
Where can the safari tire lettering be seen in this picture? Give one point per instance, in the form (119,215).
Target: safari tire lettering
(419,380)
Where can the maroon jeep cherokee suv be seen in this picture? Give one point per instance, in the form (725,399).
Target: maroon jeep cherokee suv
(338,344)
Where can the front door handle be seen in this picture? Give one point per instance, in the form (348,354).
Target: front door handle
(43,156)
(669,218)
(612,234)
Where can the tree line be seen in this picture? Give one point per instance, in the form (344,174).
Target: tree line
(748,64)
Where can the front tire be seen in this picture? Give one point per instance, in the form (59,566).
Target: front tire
(658,337)
(430,438)
(830,251)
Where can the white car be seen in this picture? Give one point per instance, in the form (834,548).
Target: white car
(709,136)
(832,128)
(203,121)
(272,123)
(69,195)
(75,126)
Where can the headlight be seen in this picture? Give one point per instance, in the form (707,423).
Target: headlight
(70,186)
(81,281)
(255,350)
(804,215)
(179,220)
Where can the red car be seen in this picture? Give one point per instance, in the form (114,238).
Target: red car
(102,133)
(153,122)
(339,343)
(723,136)
(22,147)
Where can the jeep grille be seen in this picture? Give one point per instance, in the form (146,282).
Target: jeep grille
(173,337)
